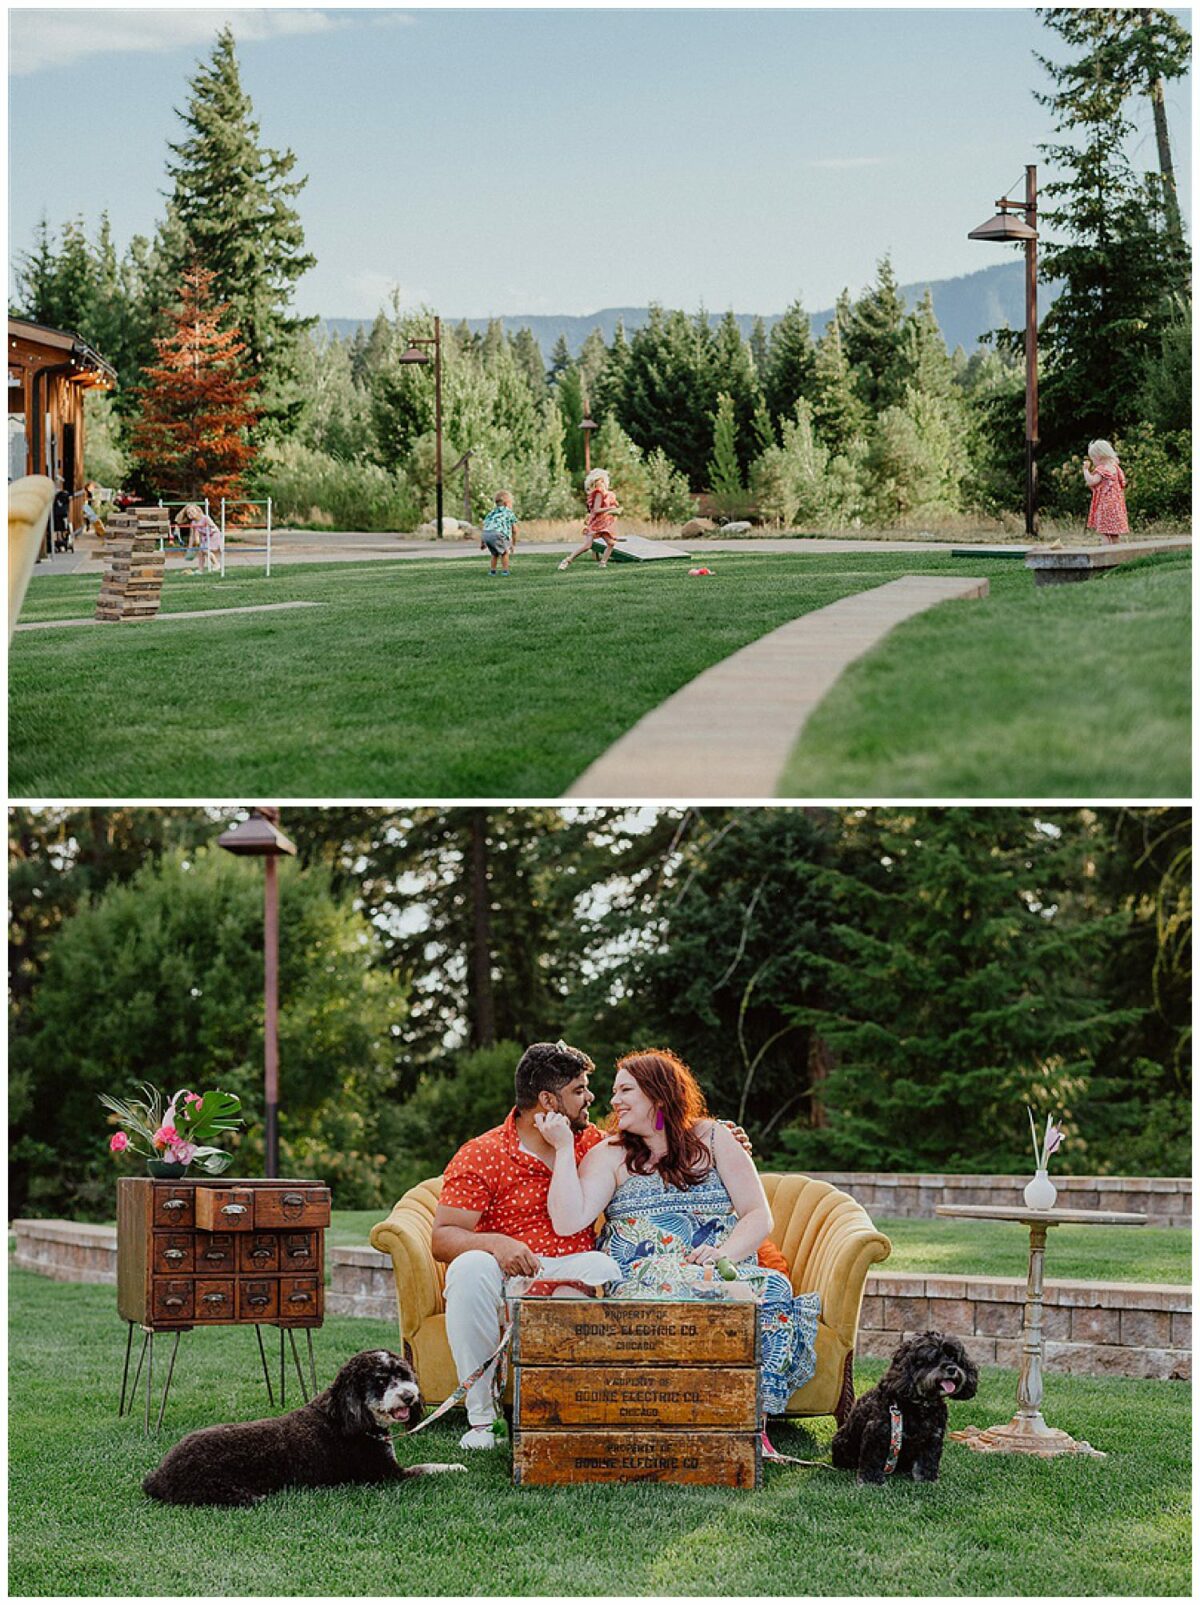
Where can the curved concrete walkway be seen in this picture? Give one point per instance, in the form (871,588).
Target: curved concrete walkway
(729,732)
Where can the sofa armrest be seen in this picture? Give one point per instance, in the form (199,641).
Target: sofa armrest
(405,1236)
(843,1246)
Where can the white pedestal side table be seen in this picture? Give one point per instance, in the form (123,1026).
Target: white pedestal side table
(1027,1432)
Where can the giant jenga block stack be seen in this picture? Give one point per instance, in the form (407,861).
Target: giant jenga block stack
(133,566)
(614,1391)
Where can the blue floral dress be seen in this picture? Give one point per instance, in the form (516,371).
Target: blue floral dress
(649,1227)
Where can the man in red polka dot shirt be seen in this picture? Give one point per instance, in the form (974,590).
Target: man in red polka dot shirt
(493,1221)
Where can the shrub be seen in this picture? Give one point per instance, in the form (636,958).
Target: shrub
(670,500)
(310,488)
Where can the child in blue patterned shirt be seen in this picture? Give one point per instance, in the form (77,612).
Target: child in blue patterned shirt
(500,531)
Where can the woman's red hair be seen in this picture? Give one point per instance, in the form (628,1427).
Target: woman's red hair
(668,1083)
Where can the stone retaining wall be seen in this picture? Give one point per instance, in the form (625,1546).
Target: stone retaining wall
(1089,1328)
(1130,1329)
(1164,1200)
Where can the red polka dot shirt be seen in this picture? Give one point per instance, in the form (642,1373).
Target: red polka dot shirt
(493,1173)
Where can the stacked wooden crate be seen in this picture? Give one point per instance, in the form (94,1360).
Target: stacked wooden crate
(614,1391)
(133,566)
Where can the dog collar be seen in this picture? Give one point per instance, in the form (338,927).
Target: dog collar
(896,1440)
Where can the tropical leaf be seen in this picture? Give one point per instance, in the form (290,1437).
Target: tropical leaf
(212,1160)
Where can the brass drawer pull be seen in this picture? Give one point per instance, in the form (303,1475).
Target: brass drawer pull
(173,1303)
(174,1253)
(299,1298)
(233,1209)
(261,1298)
(175,1203)
(299,1251)
(217,1255)
(214,1298)
(295,1199)
(262,1252)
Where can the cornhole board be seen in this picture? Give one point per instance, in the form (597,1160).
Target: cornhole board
(632,1391)
(637,549)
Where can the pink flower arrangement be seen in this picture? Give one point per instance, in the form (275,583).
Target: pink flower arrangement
(1051,1139)
(176,1130)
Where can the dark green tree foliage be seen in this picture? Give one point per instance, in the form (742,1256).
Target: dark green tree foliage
(758,348)
(527,355)
(924,362)
(1118,268)
(725,480)
(232,204)
(733,375)
(732,954)
(160,980)
(874,336)
(957,990)
(789,371)
(560,359)
(668,396)
(568,396)
(607,396)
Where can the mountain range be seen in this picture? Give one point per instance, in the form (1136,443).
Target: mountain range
(966,308)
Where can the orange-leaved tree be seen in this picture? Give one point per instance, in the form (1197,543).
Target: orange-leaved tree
(192,439)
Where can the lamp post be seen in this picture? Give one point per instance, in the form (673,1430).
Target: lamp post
(415,353)
(1003,228)
(260,837)
(588,425)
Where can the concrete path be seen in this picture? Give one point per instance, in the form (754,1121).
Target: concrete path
(169,618)
(729,732)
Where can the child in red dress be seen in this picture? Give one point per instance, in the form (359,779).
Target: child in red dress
(1102,472)
(602,509)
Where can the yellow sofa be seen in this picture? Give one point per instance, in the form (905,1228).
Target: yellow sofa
(826,1237)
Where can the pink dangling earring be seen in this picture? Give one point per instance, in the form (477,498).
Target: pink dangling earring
(659,1122)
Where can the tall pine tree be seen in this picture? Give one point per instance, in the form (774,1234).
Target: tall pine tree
(231,209)
(791,361)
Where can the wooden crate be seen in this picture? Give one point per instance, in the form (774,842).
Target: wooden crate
(609,1391)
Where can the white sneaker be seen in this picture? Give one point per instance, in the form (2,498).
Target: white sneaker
(479,1438)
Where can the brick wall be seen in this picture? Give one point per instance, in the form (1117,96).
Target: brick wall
(1165,1200)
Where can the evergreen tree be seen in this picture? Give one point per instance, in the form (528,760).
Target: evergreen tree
(789,372)
(231,208)
(668,498)
(873,336)
(560,359)
(759,349)
(1118,268)
(35,274)
(608,391)
(667,380)
(733,374)
(527,355)
(494,343)
(725,483)
(568,397)
(197,406)
(838,413)
(592,359)
(924,361)
(764,428)
(625,461)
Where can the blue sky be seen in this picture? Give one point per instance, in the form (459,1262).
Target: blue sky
(561,160)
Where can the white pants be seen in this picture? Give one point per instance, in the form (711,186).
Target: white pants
(475,1291)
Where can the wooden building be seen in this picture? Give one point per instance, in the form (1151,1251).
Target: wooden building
(49,373)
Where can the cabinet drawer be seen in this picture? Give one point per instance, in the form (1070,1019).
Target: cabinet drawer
(172,1298)
(298,1251)
(259,1252)
(171,1253)
(215,1253)
(298,1298)
(215,1301)
(291,1206)
(257,1298)
(173,1206)
(224,1209)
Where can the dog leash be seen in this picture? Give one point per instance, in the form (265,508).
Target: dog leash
(498,1357)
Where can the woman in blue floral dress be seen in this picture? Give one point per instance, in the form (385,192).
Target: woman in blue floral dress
(679,1193)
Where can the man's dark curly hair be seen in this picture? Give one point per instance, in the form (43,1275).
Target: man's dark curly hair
(547,1067)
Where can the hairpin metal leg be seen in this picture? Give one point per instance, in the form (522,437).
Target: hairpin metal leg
(162,1409)
(262,1354)
(282,1373)
(149,1381)
(296,1357)
(138,1373)
(312,1364)
(125,1373)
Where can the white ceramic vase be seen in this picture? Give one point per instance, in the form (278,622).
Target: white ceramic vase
(1041,1192)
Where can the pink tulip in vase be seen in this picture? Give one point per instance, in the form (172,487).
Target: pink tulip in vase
(1041,1193)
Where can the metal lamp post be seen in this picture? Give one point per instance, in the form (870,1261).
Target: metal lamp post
(1004,228)
(260,837)
(415,353)
(588,426)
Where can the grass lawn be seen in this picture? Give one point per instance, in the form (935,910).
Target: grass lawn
(1068,690)
(429,679)
(974,1248)
(79,1524)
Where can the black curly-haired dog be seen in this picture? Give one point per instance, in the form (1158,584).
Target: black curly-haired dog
(899,1427)
(340,1436)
